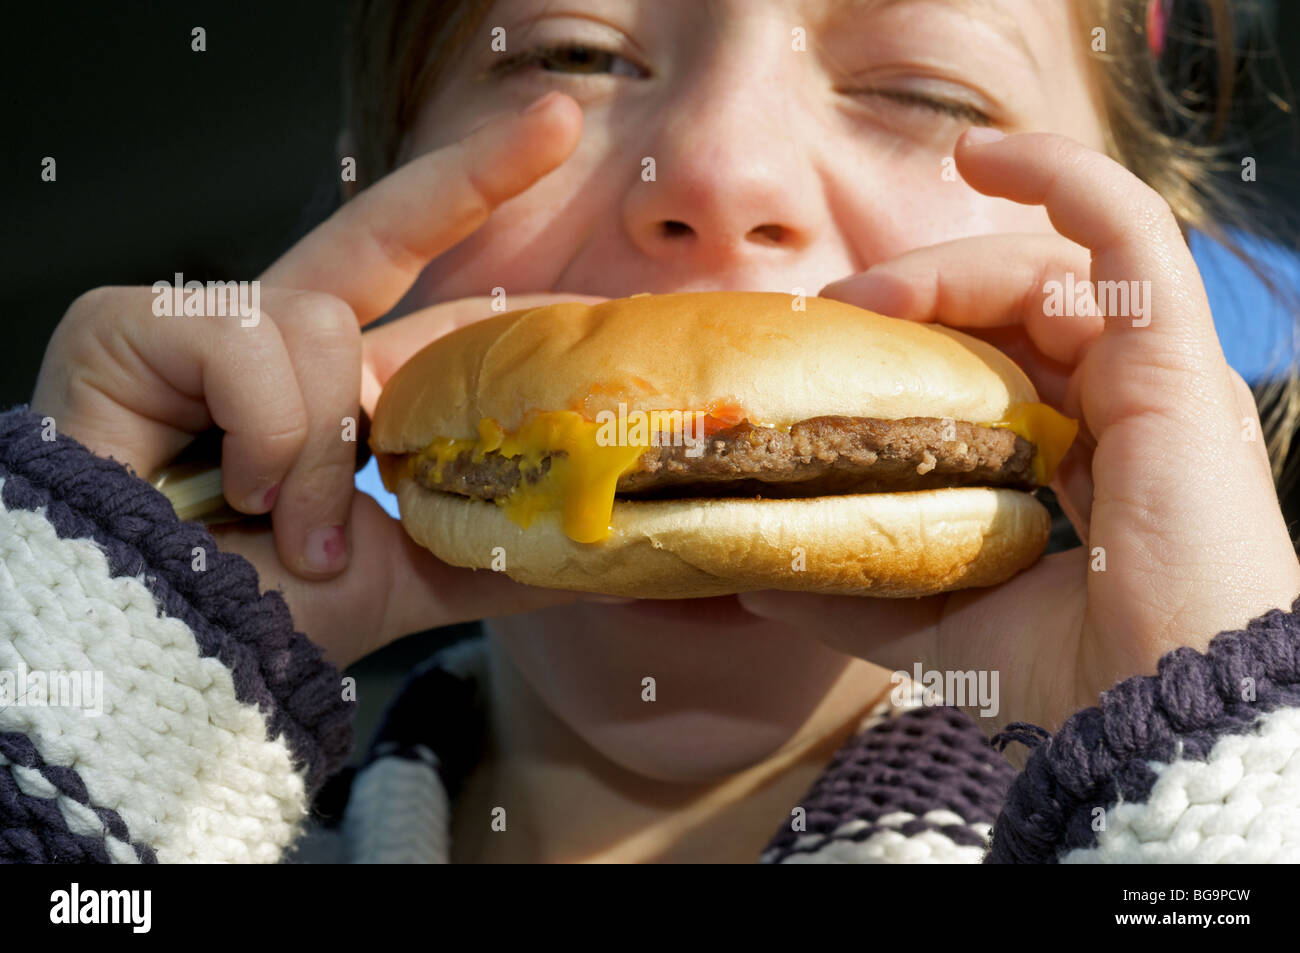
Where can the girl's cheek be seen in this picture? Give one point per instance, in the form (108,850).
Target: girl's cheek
(502,254)
(899,203)
(529,241)
(880,205)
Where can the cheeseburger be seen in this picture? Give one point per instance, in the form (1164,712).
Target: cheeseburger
(683,445)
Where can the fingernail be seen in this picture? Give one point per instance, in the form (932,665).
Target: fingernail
(540,103)
(983,135)
(326,549)
(268,500)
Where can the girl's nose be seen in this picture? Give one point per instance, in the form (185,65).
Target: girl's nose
(715,206)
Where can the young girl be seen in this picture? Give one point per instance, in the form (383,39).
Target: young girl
(936,160)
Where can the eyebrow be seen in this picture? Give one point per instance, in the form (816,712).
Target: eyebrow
(991,14)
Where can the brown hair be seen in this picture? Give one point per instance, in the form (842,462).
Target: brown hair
(1185,136)
(1177,137)
(396,53)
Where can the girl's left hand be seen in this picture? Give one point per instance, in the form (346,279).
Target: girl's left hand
(1168,484)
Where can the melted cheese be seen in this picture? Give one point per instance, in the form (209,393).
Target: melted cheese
(1050,432)
(580,484)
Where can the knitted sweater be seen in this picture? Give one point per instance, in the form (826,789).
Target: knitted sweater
(155,706)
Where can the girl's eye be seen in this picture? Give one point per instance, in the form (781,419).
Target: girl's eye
(574,58)
(956,109)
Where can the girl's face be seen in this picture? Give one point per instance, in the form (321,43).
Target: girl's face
(767,145)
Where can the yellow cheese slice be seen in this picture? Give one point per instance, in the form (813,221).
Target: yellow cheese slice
(1050,431)
(584,466)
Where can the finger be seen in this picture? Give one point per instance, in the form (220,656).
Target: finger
(390,588)
(370,251)
(386,348)
(889,632)
(1050,378)
(1132,237)
(1074,488)
(984,282)
(123,393)
(310,515)
(1180,504)
(1248,411)
(265,421)
(143,385)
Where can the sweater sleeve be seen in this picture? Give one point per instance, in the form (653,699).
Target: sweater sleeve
(1199,763)
(917,783)
(155,706)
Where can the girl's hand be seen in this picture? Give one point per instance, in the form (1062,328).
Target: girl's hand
(138,388)
(1168,482)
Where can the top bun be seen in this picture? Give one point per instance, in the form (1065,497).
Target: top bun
(751,351)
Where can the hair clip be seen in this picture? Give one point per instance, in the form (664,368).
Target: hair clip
(1157,26)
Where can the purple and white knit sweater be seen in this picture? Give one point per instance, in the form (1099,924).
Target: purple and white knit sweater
(219,723)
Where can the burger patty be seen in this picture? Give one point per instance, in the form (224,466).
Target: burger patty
(816,457)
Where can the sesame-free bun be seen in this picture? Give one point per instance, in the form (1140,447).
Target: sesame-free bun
(760,352)
(688,351)
(870,544)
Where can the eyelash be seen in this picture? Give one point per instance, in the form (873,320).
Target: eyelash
(540,56)
(946,107)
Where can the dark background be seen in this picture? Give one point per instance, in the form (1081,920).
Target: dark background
(168,160)
(212,164)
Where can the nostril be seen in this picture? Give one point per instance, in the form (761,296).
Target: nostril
(675,229)
(772,234)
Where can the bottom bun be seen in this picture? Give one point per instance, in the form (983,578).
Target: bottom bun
(869,544)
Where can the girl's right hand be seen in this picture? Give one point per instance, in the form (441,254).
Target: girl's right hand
(138,388)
